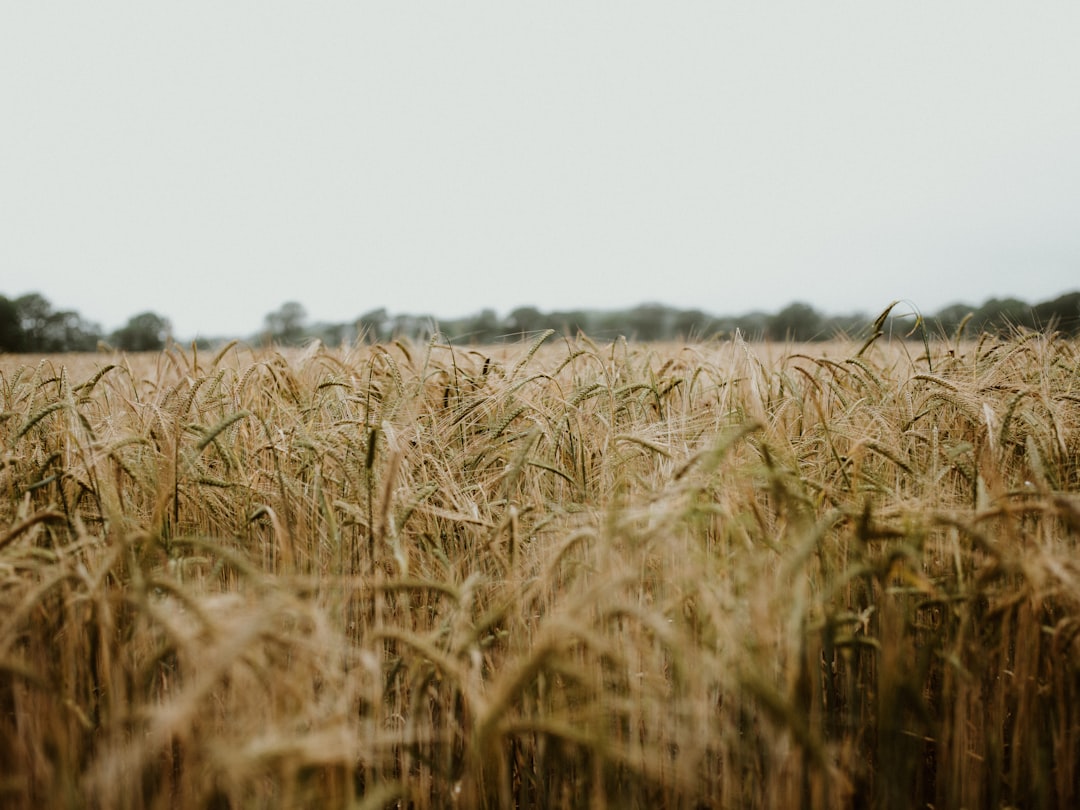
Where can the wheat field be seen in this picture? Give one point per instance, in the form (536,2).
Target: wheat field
(551,574)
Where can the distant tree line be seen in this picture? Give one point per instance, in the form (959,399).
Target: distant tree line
(796,322)
(30,324)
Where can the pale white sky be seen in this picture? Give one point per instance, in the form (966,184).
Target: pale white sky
(211,160)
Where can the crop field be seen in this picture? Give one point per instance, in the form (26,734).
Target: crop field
(554,574)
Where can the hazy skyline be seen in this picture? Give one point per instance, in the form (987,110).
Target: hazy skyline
(211,161)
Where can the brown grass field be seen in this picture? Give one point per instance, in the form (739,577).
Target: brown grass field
(555,574)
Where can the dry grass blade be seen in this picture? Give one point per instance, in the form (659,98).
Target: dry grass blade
(26,524)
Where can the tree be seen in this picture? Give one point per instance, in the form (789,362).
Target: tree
(481,328)
(145,332)
(66,331)
(286,326)
(1000,315)
(374,326)
(333,334)
(1062,313)
(693,324)
(648,321)
(949,318)
(573,321)
(524,320)
(34,311)
(11,333)
(46,331)
(798,322)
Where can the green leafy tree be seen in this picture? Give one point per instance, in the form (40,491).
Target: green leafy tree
(1001,315)
(948,319)
(374,326)
(798,322)
(145,332)
(333,334)
(286,325)
(44,330)
(34,311)
(1061,313)
(526,319)
(690,323)
(67,331)
(648,322)
(482,328)
(573,321)
(11,334)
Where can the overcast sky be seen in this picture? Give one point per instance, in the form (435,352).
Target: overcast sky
(211,160)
